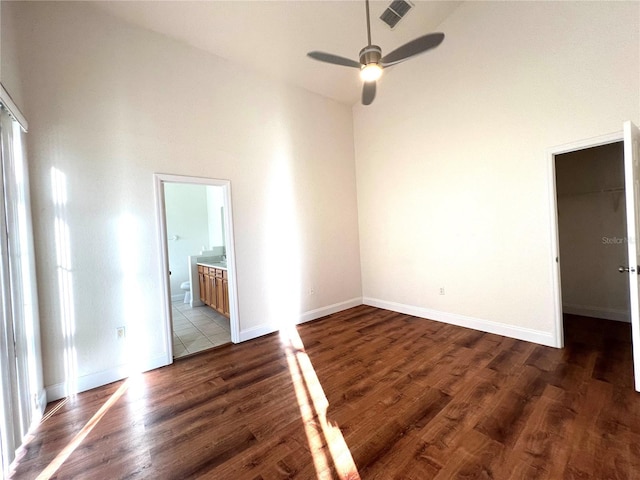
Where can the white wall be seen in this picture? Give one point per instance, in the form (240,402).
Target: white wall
(187,219)
(592,232)
(111,104)
(452,170)
(9,73)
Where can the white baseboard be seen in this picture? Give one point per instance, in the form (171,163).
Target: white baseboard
(597,312)
(42,400)
(40,407)
(177,298)
(512,331)
(87,382)
(324,311)
(255,332)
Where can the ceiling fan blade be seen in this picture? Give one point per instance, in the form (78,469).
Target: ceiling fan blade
(414,47)
(334,59)
(368,92)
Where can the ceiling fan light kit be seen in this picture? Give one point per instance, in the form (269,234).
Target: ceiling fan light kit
(371,70)
(372,62)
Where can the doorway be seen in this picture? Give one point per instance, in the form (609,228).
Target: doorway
(592,237)
(195,226)
(590,203)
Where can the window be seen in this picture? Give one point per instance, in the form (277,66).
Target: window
(21,399)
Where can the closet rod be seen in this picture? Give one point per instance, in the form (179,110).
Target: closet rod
(605,190)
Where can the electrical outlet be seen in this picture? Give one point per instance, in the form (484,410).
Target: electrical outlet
(120,333)
(312,291)
(441,290)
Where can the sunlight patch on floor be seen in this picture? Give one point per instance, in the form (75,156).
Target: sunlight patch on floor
(66,452)
(313,405)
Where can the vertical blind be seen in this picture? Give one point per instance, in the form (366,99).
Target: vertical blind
(20,358)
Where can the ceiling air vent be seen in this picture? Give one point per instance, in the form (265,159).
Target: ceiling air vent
(394,12)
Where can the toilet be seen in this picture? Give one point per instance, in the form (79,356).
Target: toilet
(186,286)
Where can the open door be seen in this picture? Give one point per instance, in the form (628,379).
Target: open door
(632,193)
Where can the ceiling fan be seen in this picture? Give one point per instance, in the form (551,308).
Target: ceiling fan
(372,62)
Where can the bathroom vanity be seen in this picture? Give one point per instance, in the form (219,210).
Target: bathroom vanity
(214,287)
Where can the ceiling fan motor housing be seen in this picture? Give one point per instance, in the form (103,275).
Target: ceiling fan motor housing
(371,61)
(370,54)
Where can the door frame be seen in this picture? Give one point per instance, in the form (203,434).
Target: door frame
(159,180)
(558,332)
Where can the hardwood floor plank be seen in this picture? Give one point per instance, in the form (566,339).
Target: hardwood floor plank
(412,399)
(416,416)
(543,446)
(444,434)
(473,458)
(258,460)
(507,419)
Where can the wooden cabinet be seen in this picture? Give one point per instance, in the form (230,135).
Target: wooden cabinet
(202,281)
(214,288)
(210,296)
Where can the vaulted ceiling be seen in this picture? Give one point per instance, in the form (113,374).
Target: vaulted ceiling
(272,37)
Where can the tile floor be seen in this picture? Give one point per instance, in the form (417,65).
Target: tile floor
(197,328)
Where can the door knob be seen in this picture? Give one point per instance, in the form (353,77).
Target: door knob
(623,269)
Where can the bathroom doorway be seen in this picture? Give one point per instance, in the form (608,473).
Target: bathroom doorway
(195,227)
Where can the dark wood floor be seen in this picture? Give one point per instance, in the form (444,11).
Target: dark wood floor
(413,399)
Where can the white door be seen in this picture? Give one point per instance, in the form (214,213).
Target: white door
(632,192)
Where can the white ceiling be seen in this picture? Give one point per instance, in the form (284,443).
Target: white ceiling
(272,37)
